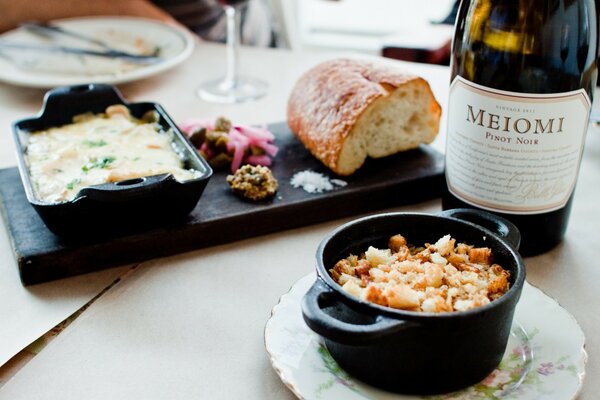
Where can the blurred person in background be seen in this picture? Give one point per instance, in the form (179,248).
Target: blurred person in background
(204,17)
(207,19)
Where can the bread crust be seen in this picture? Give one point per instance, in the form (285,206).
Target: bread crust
(328,100)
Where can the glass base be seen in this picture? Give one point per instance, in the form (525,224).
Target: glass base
(241,90)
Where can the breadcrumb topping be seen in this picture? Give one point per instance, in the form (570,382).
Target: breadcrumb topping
(439,277)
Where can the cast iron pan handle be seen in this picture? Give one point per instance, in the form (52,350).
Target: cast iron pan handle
(93,97)
(128,189)
(320,295)
(79,99)
(500,226)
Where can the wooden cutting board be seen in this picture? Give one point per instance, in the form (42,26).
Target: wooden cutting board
(220,217)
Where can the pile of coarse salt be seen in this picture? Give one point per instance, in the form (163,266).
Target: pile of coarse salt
(314,182)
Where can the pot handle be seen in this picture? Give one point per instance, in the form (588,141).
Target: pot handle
(320,296)
(128,189)
(498,225)
(79,99)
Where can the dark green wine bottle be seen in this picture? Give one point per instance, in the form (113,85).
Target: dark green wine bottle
(523,74)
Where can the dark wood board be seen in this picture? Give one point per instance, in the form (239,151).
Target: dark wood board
(220,217)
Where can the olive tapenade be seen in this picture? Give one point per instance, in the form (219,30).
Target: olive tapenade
(253,182)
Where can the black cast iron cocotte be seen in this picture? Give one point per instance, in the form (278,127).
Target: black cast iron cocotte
(415,352)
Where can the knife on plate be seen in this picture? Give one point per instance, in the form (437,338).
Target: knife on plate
(136,58)
(47,29)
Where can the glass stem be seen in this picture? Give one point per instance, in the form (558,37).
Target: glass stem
(233,45)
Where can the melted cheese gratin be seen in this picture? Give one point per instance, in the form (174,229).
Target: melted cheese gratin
(98,149)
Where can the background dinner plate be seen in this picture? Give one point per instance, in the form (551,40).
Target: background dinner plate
(545,357)
(131,34)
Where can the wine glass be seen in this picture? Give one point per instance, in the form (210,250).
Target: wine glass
(232,88)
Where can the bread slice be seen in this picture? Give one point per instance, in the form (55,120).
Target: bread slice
(346,110)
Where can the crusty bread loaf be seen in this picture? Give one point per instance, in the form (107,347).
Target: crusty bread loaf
(345,110)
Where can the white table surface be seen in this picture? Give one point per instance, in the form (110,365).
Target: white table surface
(191,326)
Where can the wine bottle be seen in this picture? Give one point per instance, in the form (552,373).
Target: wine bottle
(523,73)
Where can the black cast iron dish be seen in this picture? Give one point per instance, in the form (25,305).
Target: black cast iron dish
(111,207)
(410,352)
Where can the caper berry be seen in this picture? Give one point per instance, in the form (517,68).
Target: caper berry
(223,124)
(219,161)
(198,136)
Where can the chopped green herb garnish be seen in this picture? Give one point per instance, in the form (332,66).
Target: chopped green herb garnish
(138,158)
(94,163)
(57,170)
(106,161)
(72,184)
(95,143)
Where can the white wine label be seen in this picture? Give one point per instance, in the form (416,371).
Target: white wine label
(514,152)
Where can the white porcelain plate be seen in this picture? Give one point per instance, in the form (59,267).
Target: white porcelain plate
(136,35)
(545,358)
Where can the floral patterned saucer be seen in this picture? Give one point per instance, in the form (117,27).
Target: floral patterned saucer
(545,357)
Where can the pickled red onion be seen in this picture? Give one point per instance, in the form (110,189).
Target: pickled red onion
(264,160)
